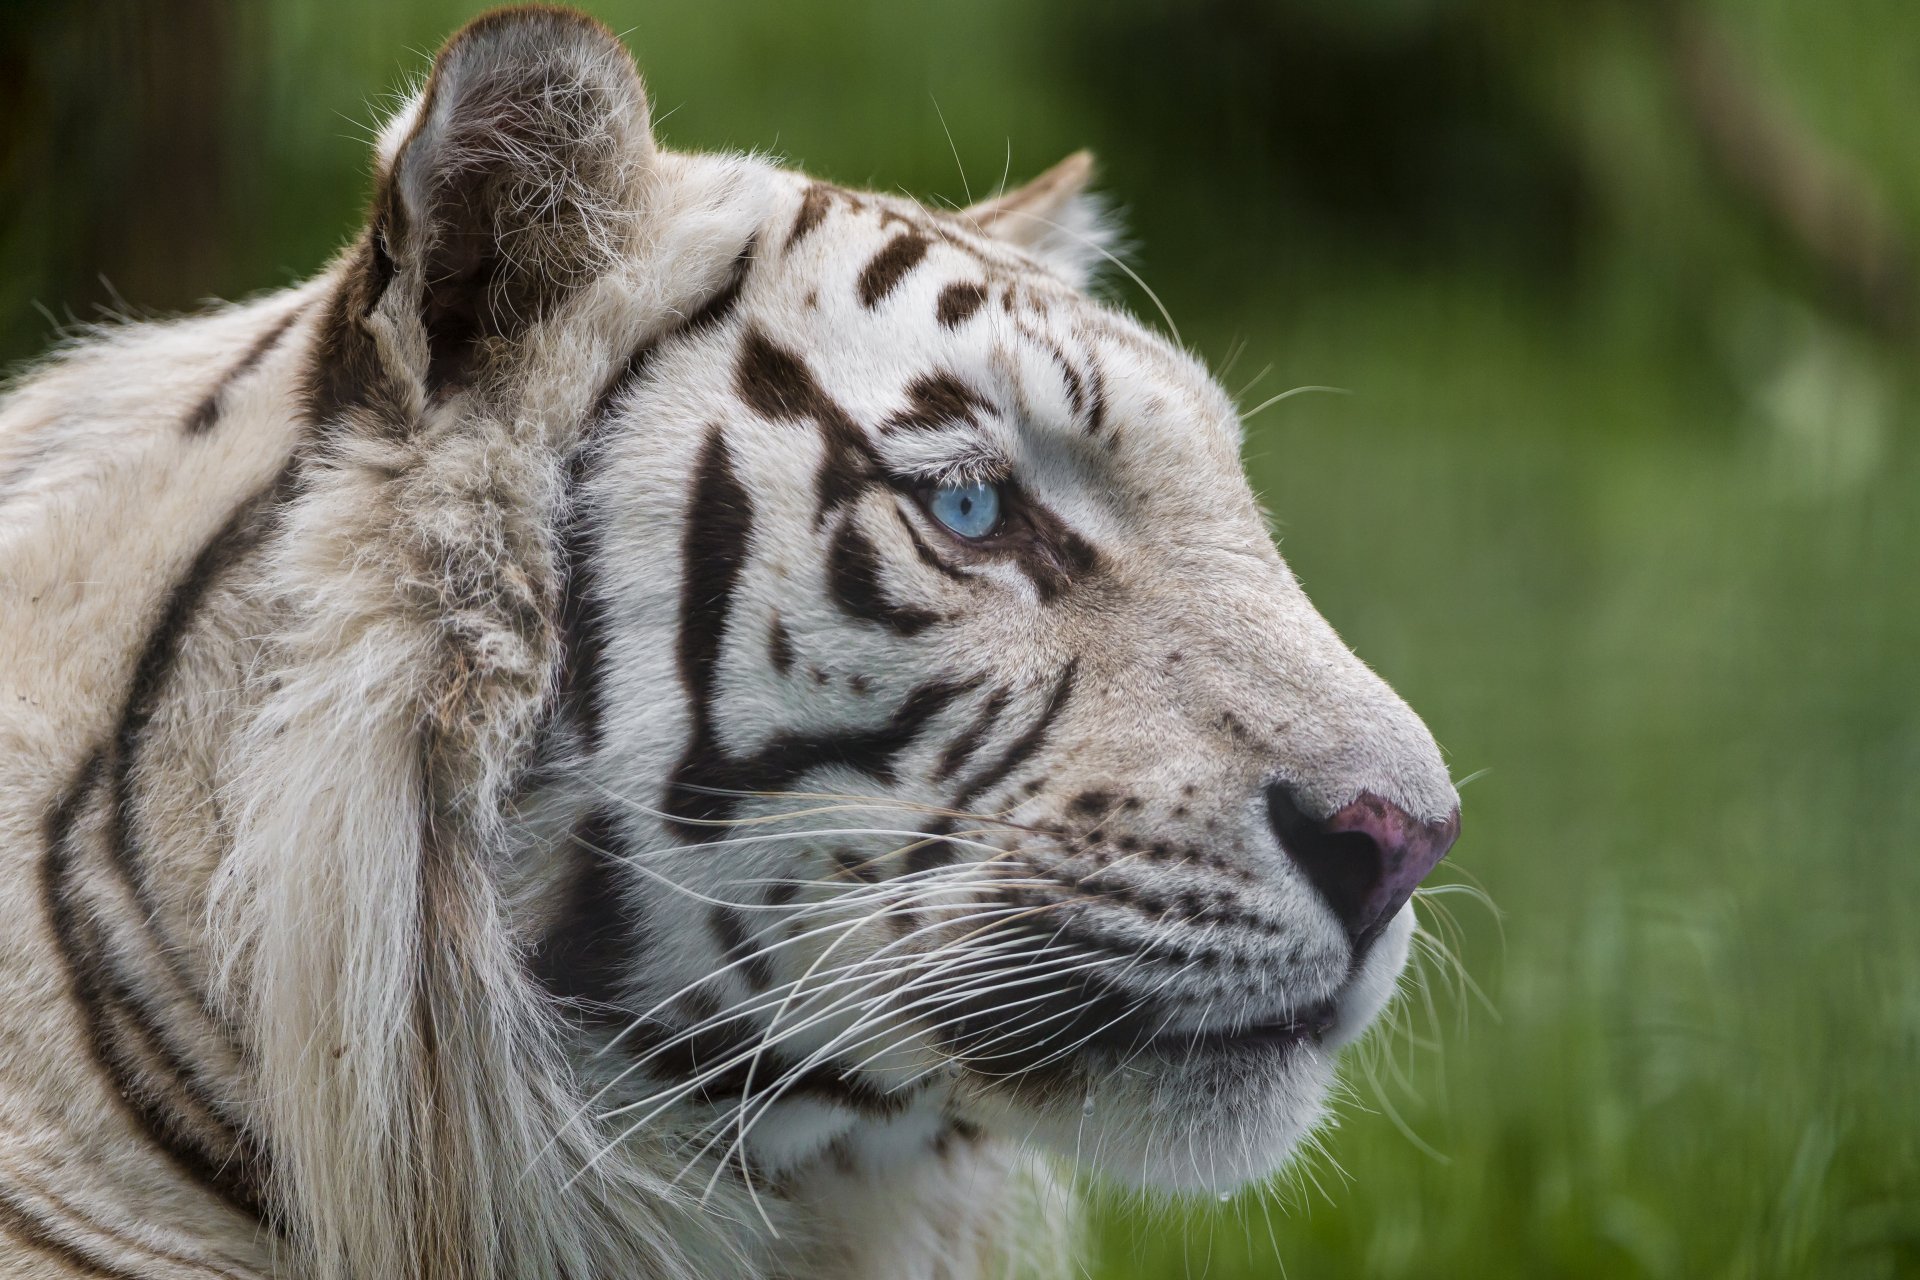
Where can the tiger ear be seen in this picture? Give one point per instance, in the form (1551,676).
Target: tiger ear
(512,178)
(1054,217)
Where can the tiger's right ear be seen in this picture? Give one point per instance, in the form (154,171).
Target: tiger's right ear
(513,178)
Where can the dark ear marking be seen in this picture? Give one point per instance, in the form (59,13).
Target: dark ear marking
(345,372)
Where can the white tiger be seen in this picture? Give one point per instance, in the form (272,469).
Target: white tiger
(660,718)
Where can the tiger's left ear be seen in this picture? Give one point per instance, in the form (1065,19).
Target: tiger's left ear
(1055,218)
(512,179)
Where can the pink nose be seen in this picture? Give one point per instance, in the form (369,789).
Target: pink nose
(1365,861)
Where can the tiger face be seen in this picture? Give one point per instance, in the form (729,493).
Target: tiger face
(947,749)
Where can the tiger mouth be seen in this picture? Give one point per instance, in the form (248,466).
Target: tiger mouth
(1118,1028)
(1308,1025)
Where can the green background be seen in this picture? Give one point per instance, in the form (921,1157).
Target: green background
(1624,498)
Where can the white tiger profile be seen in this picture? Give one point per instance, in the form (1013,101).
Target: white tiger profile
(660,718)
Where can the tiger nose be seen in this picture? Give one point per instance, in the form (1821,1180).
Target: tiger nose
(1365,860)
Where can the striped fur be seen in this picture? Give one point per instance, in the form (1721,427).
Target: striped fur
(501,775)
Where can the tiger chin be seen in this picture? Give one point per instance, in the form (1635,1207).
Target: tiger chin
(661,718)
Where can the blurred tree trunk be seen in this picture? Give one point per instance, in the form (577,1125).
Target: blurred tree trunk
(1823,205)
(116,155)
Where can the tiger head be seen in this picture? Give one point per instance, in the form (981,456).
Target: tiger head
(938,744)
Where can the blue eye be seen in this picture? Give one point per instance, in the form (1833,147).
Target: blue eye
(970,510)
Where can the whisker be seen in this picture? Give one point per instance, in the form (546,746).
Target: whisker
(1270,401)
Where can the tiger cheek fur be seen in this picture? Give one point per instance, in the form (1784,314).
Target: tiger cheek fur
(584,809)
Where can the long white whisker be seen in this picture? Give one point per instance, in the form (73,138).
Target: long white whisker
(1289,394)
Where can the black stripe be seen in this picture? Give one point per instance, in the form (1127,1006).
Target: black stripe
(1050,552)
(99,994)
(714,311)
(734,929)
(713,554)
(853,579)
(15,1221)
(20,1217)
(1021,749)
(927,554)
(764,1069)
(588,950)
(778,385)
(242,532)
(779,646)
(345,372)
(935,851)
(962,748)
(851,862)
(813,211)
(1096,396)
(231,1173)
(701,787)
(629,373)
(890,266)
(874,751)
(958,301)
(239,535)
(583,637)
(208,413)
(938,400)
(171,1089)
(1076,385)
(233,539)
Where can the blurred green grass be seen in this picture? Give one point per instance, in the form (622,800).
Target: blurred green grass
(1624,502)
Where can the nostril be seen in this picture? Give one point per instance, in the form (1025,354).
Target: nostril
(1343,866)
(1364,860)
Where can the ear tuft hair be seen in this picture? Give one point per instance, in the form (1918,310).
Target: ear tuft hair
(517,177)
(1055,218)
